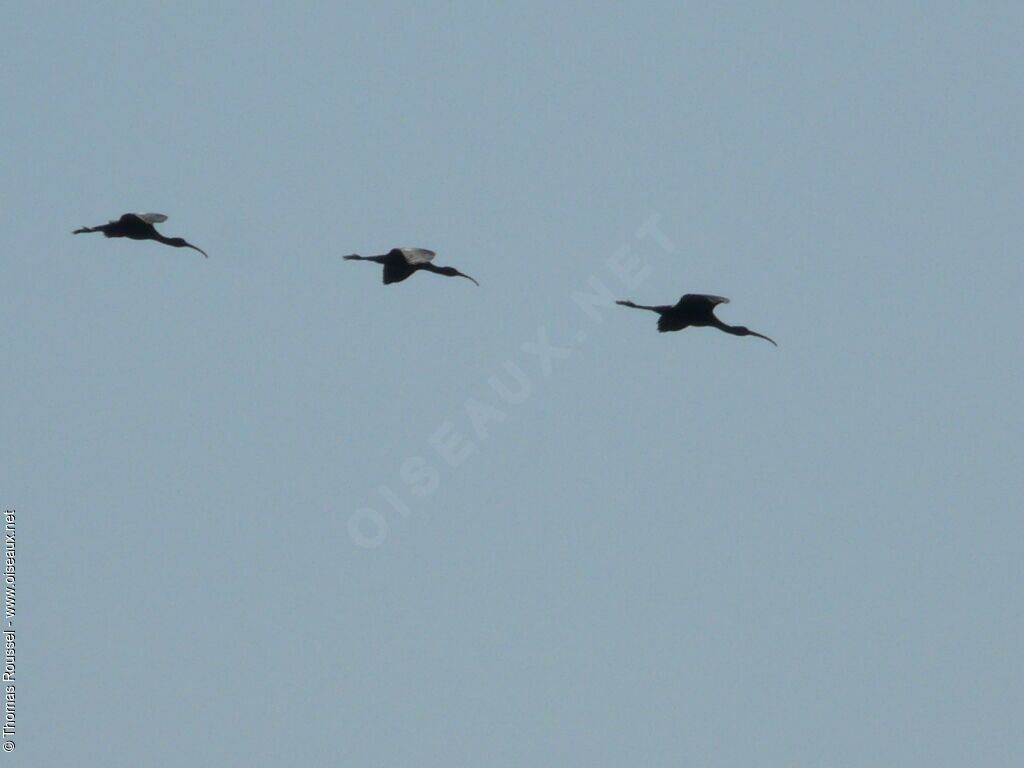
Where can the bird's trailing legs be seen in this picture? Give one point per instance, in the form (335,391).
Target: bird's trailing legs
(642,306)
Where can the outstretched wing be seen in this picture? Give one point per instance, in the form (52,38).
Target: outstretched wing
(417,255)
(152,218)
(702,298)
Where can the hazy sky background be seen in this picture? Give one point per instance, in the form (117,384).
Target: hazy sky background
(679,549)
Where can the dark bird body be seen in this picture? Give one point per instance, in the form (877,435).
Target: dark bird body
(139,226)
(694,309)
(399,263)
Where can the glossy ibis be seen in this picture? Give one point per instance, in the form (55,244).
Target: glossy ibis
(696,309)
(139,226)
(399,263)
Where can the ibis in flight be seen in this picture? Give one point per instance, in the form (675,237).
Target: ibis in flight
(139,226)
(696,309)
(399,263)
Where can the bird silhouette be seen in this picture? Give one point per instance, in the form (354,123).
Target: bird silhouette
(139,226)
(399,263)
(696,309)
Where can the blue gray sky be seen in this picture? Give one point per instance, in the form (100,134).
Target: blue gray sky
(652,549)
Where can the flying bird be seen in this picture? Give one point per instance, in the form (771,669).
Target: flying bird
(139,226)
(696,309)
(399,263)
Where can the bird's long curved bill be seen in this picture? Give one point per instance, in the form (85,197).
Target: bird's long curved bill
(194,248)
(762,336)
(461,274)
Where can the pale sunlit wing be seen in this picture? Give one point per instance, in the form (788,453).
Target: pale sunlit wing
(417,255)
(705,297)
(152,218)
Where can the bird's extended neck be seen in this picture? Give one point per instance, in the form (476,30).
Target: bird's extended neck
(446,271)
(178,242)
(739,330)
(733,329)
